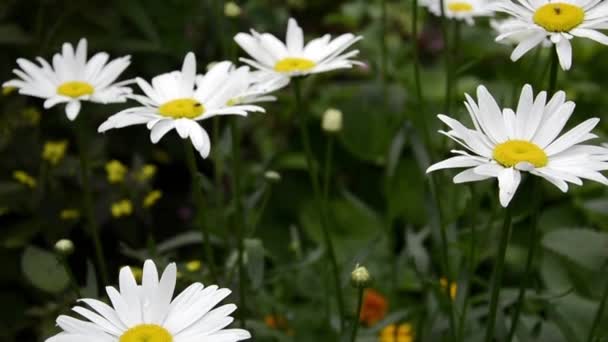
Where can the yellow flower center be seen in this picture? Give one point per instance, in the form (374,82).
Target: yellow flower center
(146,333)
(182,108)
(460,6)
(294,64)
(559,16)
(75,89)
(513,152)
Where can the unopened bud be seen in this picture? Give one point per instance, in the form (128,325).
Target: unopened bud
(360,277)
(332,120)
(231,9)
(272,176)
(64,247)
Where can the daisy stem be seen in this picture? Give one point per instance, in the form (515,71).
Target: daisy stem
(353,335)
(522,287)
(321,204)
(553,72)
(88,200)
(66,266)
(199,199)
(383,55)
(598,314)
(497,278)
(329,154)
(416,55)
(447,58)
(240,221)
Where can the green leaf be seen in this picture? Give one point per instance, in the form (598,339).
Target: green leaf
(585,247)
(43,270)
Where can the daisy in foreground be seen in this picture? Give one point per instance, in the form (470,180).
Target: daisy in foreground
(181,98)
(72,78)
(465,10)
(148,313)
(505,143)
(294,58)
(560,21)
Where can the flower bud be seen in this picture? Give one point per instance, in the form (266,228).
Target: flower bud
(332,120)
(231,9)
(360,277)
(272,176)
(64,247)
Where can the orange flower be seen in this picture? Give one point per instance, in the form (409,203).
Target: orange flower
(374,307)
(278,323)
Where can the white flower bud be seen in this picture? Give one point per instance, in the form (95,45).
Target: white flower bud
(64,246)
(360,276)
(272,176)
(332,120)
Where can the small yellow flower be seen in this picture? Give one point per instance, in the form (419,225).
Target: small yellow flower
(394,333)
(116,171)
(54,151)
(69,214)
(146,172)
(453,287)
(32,115)
(193,266)
(231,9)
(122,208)
(8,90)
(151,198)
(24,178)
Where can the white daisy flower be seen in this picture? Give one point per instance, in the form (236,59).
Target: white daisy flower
(506,25)
(465,10)
(147,312)
(295,58)
(506,143)
(560,21)
(71,78)
(181,98)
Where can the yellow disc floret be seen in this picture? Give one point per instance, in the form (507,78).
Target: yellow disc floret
(513,152)
(559,16)
(75,89)
(294,64)
(146,333)
(460,6)
(182,108)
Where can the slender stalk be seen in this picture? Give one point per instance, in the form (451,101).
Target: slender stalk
(240,221)
(66,266)
(598,315)
(522,286)
(353,335)
(416,54)
(447,58)
(199,199)
(253,224)
(329,153)
(81,134)
(497,278)
(218,166)
(321,205)
(553,72)
(383,55)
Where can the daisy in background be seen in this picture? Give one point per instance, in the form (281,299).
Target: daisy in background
(505,143)
(294,58)
(180,99)
(72,78)
(560,21)
(148,312)
(465,10)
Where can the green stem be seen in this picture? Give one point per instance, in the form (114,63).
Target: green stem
(218,167)
(73,283)
(598,315)
(329,153)
(447,58)
(473,209)
(199,199)
(260,212)
(416,53)
(383,55)
(88,200)
(553,72)
(321,205)
(240,222)
(353,335)
(522,287)
(497,278)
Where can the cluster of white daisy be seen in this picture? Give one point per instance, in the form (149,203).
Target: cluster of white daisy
(174,100)
(531,23)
